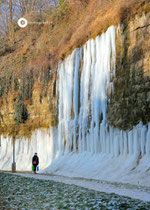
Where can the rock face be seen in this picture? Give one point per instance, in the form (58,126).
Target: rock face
(27,102)
(36,94)
(130,102)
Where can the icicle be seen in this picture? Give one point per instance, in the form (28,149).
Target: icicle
(116,146)
(125,137)
(107,140)
(148,141)
(143,140)
(130,142)
(76,94)
(121,143)
(136,147)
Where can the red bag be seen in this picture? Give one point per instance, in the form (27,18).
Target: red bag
(34,162)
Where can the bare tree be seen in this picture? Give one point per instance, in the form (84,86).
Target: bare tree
(12,10)
(34,5)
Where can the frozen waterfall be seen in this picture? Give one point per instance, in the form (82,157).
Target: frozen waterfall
(83,82)
(87,145)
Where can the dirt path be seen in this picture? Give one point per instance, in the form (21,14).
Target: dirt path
(135,192)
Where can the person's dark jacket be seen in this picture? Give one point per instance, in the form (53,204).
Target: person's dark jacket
(35,160)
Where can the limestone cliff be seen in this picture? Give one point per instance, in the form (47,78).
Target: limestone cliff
(130,102)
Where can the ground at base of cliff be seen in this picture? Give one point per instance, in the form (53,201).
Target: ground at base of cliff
(31,191)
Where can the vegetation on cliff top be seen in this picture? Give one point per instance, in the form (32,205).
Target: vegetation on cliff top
(67,26)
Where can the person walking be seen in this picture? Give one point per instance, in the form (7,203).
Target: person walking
(35,162)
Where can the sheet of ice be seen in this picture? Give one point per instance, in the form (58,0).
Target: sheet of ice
(41,142)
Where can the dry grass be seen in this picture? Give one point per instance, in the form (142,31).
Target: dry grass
(73,24)
(85,20)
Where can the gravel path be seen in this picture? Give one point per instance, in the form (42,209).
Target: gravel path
(132,191)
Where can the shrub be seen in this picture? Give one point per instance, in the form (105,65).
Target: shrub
(21,113)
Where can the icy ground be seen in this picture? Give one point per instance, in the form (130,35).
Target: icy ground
(133,191)
(29,191)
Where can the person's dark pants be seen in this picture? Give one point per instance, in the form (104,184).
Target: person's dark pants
(35,168)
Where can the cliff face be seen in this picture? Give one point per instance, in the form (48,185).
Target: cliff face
(27,102)
(28,95)
(130,102)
